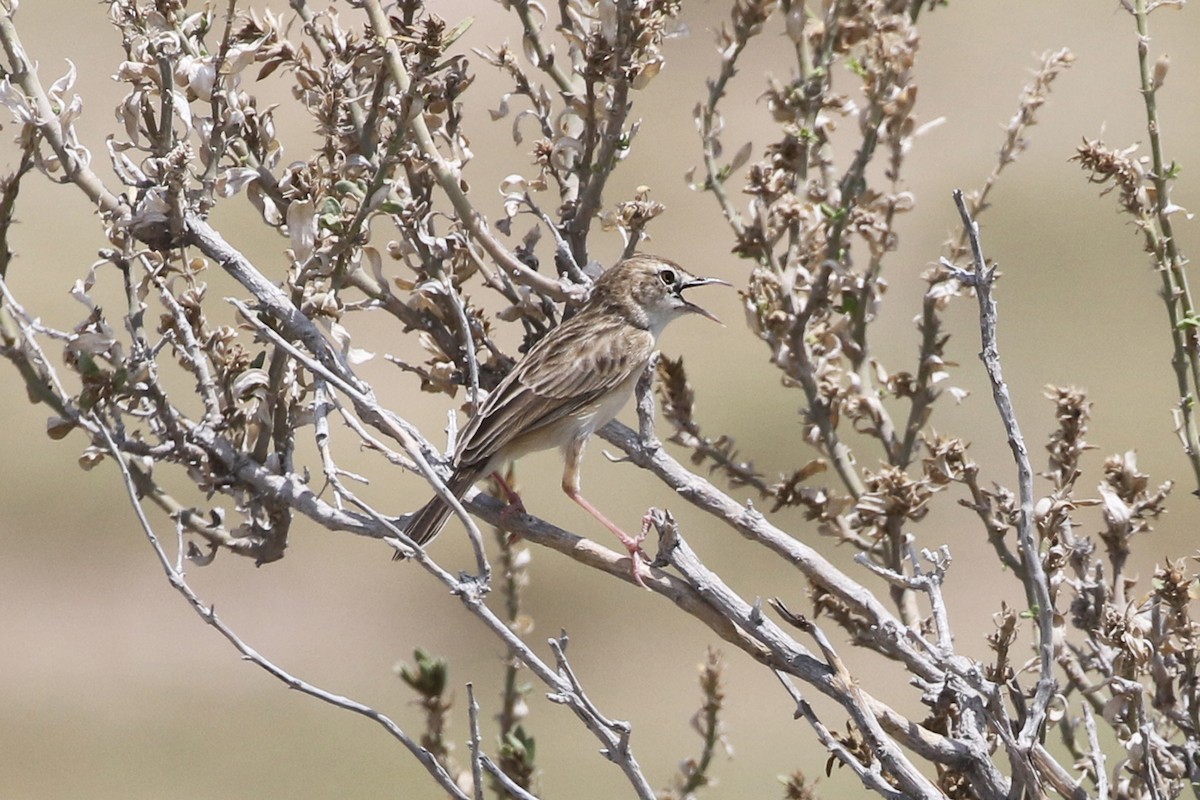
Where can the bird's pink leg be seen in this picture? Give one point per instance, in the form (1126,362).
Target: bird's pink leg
(570,485)
(511,496)
(513,504)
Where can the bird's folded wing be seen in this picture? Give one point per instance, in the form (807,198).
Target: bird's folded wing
(563,375)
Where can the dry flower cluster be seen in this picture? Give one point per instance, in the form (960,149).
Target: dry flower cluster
(380,216)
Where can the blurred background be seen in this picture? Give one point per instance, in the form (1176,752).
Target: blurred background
(111,687)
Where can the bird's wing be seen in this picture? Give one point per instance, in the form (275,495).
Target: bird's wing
(574,366)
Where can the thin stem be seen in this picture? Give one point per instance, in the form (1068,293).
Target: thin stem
(1181,311)
(597,171)
(545,59)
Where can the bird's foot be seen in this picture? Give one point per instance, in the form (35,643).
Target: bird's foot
(512,509)
(637,556)
(634,546)
(508,515)
(510,494)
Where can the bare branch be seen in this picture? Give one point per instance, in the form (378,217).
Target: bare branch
(179,582)
(1037,589)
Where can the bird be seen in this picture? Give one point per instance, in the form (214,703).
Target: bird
(569,384)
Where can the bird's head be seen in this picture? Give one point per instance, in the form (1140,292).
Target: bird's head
(649,289)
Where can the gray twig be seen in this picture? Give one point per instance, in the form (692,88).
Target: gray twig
(1037,588)
(179,582)
(474,743)
(1095,753)
(510,786)
(367,408)
(468,338)
(831,678)
(614,733)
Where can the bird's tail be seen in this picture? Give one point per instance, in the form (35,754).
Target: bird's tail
(430,518)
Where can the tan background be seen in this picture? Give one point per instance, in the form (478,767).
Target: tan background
(110,687)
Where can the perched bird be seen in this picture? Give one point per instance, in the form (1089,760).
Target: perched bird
(570,384)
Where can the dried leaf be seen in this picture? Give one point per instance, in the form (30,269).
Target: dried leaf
(302,229)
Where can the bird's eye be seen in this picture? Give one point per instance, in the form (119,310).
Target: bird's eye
(668,276)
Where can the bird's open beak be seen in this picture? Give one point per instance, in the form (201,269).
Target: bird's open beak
(690,306)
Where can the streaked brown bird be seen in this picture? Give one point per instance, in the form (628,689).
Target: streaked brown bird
(570,384)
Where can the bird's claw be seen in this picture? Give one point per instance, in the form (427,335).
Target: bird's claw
(512,509)
(637,557)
